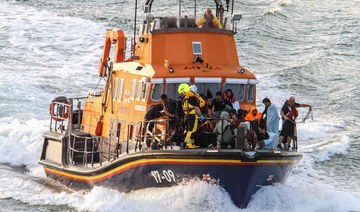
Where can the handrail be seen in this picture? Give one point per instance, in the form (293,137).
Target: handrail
(170,132)
(85,152)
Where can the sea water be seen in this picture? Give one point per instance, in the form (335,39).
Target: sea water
(309,49)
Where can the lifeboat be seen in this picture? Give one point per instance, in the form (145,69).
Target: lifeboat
(101,139)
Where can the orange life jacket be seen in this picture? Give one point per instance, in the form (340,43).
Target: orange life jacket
(250,116)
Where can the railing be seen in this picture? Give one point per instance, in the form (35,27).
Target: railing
(81,148)
(166,134)
(81,152)
(161,133)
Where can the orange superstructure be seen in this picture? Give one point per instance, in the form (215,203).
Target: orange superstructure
(164,56)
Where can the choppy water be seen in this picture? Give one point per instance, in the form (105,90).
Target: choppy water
(310,49)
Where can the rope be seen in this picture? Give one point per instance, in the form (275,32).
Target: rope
(308,115)
(99,82)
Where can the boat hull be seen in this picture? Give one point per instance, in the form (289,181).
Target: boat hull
(241,175)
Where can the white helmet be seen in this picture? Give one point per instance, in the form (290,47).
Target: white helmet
(193,88)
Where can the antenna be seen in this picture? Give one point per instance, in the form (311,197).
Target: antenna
(232,7)
(195,9)
(133,50)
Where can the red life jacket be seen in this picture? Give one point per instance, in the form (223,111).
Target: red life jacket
(232,100)
(292,113)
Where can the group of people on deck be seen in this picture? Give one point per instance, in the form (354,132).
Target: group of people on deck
(214,122)
(268,134)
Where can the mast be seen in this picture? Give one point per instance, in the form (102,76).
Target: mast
(179,22)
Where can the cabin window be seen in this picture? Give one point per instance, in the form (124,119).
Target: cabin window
(115,89)
(145,90)
(133,88)
(172,90)
(250,93)
(237,89)
(120,90)
(139,89)
(208,89)
(156,92)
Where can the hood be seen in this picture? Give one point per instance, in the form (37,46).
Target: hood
(224,115)
(253,108)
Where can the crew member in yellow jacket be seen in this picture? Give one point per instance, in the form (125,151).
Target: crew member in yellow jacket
(192,112)
(208,20)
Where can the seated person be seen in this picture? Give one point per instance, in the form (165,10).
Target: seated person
(265,139)
(208,100)
(234,118)
(206,109)
(249,139)
(229,96)
(204,136)
(218,105)
(225,131)
(254,114)
(261,133)
(208,20)
(241,114)
(269,143)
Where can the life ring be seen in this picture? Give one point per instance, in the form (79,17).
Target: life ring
(59,115)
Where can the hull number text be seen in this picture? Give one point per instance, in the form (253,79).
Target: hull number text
(165,175)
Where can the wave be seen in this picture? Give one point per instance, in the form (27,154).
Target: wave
(276,7)
(33,194)
(21,141)
(323,151)
(194,196)
(288,198)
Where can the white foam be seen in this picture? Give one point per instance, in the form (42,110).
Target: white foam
(337,147)
(30,190)
(276,6)
(195,196)
(21,141)
(285,198)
